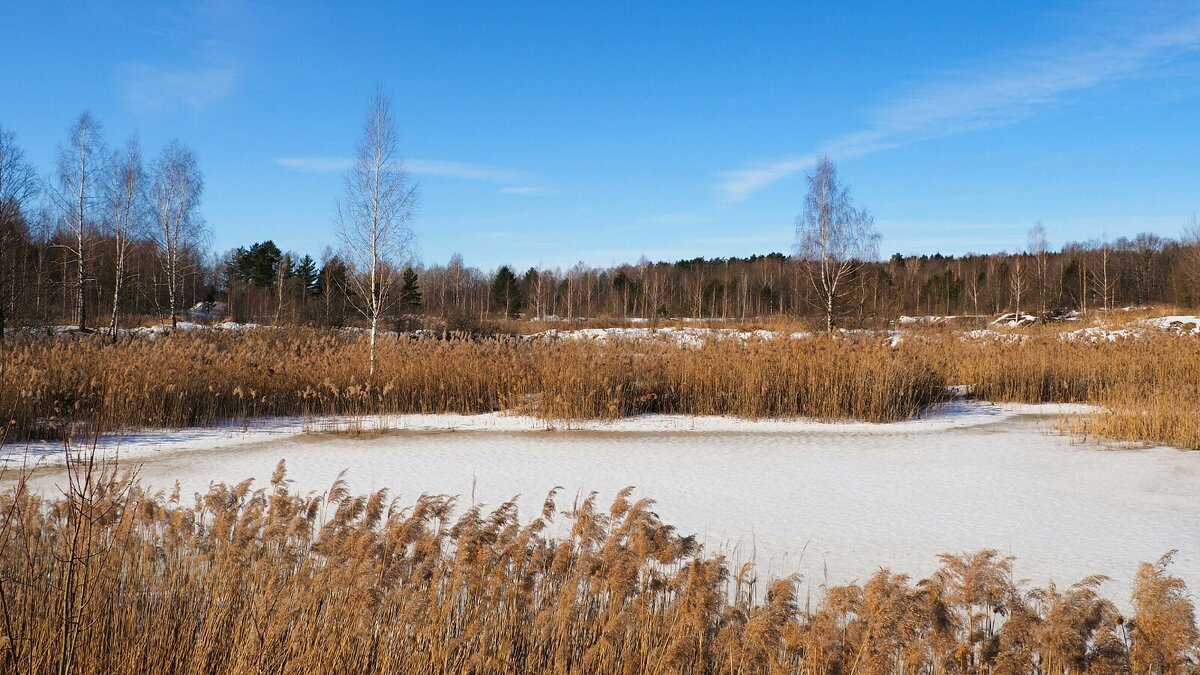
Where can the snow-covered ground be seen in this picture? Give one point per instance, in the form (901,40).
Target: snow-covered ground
(1182,324)
(832,502)
(685,336)
(1011,329)
(1011,323)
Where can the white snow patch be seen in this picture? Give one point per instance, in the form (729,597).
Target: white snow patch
(1180,323)
(1014,320)
(153,443)
(1100,334)
(691,337)
(994,335)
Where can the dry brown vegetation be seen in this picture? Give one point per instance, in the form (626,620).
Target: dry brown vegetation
(1149,387)
(204,377)
(109,578)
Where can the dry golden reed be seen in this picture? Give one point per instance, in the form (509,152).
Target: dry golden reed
(109,578)
(205,377)
(1147,389)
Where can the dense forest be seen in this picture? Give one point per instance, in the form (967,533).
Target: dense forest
(107,242)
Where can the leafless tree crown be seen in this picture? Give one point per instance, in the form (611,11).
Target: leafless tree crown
(79,165)
(175,199)
(18,179)
(124,195)
(374,216)
(833,238)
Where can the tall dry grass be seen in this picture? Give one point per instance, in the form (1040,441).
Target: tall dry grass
(205,377)
(110,578)
(1147,388)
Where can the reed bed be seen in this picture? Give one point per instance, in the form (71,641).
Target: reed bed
(1146,389)
(109,578)
(1146,415)
(49,386)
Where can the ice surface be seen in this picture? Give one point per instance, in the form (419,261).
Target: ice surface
(833,502)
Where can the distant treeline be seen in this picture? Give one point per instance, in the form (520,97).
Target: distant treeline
(262,283)
(110,242)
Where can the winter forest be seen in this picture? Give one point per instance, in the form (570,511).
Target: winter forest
(109,237)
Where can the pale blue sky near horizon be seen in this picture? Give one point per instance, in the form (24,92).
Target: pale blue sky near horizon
(550,133)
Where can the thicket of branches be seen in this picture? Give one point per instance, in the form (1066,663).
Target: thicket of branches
(110,578)
(103,235)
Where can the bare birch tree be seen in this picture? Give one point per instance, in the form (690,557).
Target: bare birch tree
(18,187)
(282,271)
(1017,282)
(1039,248)
(80,164)
(833,238)
(125,202)
(374,217)
(175,200)
(455,270)
(1104,279)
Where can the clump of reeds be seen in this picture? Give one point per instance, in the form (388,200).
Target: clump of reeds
(205,377)
(1167,415)
(1147,389)
(110,578)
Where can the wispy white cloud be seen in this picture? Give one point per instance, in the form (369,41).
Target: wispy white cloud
(1126,41)
(150,88)
(210,34)
(315,164)
(464,170)
(524,190)
(424,167)
(739,184)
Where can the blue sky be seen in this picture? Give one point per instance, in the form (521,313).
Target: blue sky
(562,132)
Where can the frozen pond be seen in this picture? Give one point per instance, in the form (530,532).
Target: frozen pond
(832,502)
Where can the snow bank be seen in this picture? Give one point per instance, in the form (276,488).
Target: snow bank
(994,335)
(935,319)
(156,443)
(1100,334)
(684,336)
